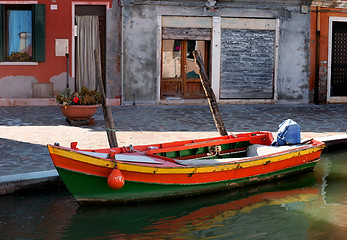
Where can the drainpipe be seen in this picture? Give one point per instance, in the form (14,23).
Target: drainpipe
(316,95)
(122,52)
(67,70)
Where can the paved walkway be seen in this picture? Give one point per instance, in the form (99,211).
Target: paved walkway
(25,131)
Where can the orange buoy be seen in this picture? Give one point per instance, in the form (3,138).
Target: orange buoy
(115,180)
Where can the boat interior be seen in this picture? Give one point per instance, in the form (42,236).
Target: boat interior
(209,151)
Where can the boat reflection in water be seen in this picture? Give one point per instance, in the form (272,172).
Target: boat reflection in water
(328,219)
(260,212)
(311,206)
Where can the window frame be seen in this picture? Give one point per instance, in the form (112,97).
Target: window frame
(5,19)
(38,32)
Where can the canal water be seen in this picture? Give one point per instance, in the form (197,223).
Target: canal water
(309,206)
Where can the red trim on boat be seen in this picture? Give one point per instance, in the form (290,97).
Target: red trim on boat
(81,167)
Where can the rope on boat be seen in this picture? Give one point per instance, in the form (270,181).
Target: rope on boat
(131,149)
(110,129)
(219,154)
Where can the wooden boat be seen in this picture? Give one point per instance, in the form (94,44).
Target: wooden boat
(178,169)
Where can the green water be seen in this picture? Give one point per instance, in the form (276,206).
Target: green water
(309,206)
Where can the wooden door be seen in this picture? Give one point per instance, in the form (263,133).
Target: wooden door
(180,74)
(102,32)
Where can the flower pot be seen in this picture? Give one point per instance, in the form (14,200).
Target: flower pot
(78,112)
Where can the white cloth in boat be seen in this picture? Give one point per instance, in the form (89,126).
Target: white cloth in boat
(123,157)
(252,151)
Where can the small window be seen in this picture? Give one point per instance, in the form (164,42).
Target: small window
(22,33)
(18,34)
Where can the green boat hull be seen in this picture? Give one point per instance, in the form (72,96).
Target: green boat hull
(90,189)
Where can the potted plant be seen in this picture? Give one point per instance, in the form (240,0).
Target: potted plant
(79,105)
(18,57)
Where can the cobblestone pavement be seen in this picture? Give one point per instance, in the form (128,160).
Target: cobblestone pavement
(25,131)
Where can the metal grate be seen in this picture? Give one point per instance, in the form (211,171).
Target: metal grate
(247,63)
(339,60)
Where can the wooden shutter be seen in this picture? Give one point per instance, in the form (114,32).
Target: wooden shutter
(247,63)
(2,32)
(39,32)
(202,34)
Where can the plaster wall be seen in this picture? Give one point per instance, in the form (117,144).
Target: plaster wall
(140,49)
(294,48)
(17,79)
(321,49)
(113,52)
(142,43)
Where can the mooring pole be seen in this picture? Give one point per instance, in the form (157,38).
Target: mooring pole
(210,94)
(108,117)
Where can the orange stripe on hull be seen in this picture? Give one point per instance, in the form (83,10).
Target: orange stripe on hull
(190,178)
(197,178)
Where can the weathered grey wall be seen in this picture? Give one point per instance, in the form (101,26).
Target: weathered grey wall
(140,42)
(113,51)
(293,70)
(140,49)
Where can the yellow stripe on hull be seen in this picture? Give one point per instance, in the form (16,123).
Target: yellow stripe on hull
(81,157)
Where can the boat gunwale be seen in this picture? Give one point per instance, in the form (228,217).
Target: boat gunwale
(159,169)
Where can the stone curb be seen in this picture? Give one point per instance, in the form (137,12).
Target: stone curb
(333,140)
(26,181)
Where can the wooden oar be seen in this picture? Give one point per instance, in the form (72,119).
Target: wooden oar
(210,94)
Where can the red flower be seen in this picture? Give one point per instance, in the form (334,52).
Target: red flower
(75,99)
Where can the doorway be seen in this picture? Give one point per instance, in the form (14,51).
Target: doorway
(180,74)
(338,77)
(91,35)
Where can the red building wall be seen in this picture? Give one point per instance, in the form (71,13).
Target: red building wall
(58,25)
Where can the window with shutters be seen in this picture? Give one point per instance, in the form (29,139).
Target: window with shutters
(22,33)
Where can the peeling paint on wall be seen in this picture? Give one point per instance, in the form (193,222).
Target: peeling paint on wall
(322,87)
(17,86)
(59,82)
(140,55)
(294,59)
(113,53)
